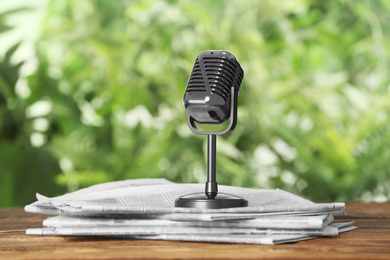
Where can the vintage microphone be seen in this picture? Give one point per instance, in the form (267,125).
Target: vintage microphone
(211,98)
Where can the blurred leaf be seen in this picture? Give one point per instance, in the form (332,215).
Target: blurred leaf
(3,26)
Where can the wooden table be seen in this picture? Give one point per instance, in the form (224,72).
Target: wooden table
(370,241)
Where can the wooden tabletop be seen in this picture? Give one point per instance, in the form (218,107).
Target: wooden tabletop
(370,241)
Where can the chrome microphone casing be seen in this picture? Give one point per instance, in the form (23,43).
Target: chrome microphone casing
(216,74)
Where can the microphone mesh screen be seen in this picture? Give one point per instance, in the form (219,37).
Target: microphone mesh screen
(215,73)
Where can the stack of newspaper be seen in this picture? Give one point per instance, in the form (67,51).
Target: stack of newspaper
(144,209)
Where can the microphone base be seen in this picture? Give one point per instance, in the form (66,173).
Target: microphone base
(201,201)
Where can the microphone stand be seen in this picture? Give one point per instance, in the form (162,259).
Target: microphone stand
(211,189)
(211,199)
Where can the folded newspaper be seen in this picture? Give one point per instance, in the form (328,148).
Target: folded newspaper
(144,209)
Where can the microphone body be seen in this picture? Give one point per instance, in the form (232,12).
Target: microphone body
(207,97)
(211,98)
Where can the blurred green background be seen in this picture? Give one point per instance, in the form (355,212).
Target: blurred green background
(91,91)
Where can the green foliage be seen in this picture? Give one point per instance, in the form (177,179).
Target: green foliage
(313,108)
(23,167)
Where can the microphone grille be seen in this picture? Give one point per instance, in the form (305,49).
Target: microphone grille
(215,72)
(196,81)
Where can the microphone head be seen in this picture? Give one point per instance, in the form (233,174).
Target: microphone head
(207,97)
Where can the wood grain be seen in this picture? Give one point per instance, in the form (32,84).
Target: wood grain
(370,241)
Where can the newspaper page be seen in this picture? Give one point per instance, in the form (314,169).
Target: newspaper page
(224,235)
(144,209)
(175,230)
(159,199)
(278,222)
